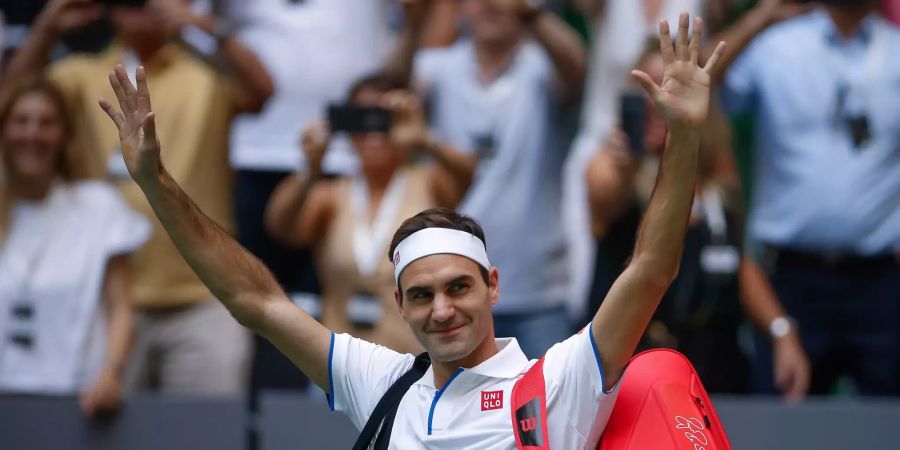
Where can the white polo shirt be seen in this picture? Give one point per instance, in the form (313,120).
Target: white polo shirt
(472,410)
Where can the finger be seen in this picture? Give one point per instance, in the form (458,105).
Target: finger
(647,83)
(665,42)
(717,53)
(149,125)
(127,87)
(143,92)
(117,89)
(681,41)
(113,113)
(694,45)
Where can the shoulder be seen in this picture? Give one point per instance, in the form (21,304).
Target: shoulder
(97,194)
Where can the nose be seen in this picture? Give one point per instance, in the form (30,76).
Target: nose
(442,309)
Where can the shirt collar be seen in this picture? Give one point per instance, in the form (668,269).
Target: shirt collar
(509,362)
(863,33)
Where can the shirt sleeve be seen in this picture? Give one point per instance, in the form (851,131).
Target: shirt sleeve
(428,65)
(359,373)
(574,379)
(125,230)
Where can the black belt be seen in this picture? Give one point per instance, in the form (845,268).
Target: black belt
(836,262)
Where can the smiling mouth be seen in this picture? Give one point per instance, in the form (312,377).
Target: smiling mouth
(448,331)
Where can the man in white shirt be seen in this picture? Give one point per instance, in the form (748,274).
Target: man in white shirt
(446,289)
(506,97)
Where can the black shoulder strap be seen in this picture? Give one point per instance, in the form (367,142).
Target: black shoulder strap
(387,406)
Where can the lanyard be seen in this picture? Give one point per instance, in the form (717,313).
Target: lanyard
(858,81)
(25,268)
(370,239)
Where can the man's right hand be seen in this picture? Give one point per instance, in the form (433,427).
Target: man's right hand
(62,16)
(314,143)
(136,123)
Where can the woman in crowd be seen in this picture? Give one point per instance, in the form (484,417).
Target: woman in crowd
(348,221)
(65,312)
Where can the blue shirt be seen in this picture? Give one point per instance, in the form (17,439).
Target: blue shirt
(814,188)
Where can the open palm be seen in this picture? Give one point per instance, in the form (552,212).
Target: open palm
(135,122)
(683,96)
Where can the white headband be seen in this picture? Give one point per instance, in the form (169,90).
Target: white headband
(435,241)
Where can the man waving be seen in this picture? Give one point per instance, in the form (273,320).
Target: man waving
(446,288)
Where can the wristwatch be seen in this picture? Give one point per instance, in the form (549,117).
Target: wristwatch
(781,326)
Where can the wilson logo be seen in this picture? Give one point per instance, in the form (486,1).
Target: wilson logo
(528,424)
(491,400)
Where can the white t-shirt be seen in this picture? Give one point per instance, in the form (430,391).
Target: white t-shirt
(472,410)
(516,125)
(57,251)
(314,50)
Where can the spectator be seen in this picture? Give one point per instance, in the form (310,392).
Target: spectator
(186,341)
(503,97)
(349,220)
(65,242)
(619,30)
(827,182)
(701,313)
(314,51)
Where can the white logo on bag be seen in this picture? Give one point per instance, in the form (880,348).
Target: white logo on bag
(693,431)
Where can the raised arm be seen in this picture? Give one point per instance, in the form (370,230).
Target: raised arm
(563,46)
(56,18)
(234,59)
(757,19)
(453,170)
(239,280)
(683,98)
(302,204)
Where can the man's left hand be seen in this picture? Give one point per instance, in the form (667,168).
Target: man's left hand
(683,96)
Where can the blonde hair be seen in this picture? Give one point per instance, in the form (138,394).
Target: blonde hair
(72,165)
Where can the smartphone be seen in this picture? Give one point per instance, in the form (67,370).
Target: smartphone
(632,119)
(359,119)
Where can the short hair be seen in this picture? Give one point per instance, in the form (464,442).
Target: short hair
(437,218)
(382,82)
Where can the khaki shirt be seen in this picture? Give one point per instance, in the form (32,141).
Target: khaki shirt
(194,107)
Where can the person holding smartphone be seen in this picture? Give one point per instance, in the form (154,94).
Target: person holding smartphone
(348,220)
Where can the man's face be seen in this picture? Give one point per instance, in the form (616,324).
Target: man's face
(136,25)
(491,24)
(448,305)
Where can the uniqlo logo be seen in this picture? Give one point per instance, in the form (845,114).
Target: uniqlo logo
(491,400)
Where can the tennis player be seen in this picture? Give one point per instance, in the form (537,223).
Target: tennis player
(446,288)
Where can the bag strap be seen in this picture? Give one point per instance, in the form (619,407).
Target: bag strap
(386,408)
(529,410)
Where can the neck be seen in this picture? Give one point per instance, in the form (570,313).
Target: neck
(30,188)
(493,58)
(444,370)
(378,180)
(848,18)
(146,50)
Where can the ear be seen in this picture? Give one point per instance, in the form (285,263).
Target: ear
(494,285)
(398,300)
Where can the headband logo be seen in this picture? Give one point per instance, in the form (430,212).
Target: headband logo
(396,258)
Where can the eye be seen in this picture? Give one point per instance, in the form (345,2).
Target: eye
(459,287)
(420,295)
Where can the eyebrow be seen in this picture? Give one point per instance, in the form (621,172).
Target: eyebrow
(426,289)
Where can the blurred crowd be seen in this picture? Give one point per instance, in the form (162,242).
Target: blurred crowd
(310,129)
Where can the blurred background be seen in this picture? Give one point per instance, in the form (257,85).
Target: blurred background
(521,113)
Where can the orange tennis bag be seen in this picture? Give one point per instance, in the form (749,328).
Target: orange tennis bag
(662,405)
